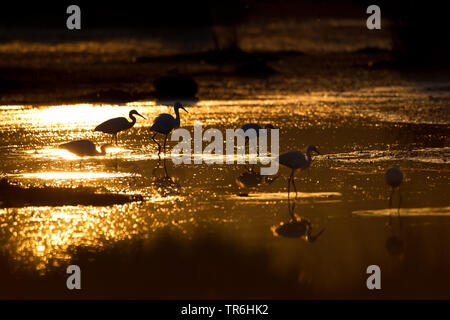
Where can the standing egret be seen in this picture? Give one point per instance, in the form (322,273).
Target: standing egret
(296,160)
(165,123)
(84,148)
(394,178)
(115,125)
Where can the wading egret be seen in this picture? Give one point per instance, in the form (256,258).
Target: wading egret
(296,160)
(115,125)
(394,178)
(165,123)
(84,148)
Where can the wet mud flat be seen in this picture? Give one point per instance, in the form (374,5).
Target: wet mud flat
(15,196)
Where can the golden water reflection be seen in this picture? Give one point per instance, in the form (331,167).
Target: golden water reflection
(353,130)
(40,236)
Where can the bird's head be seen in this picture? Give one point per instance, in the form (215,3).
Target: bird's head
(104,147)
(312,149)
(269,126)
(132,112)
(178,105)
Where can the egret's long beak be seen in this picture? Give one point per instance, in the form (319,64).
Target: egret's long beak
(140,115)
(184,109)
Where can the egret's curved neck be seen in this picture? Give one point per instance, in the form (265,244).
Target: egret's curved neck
(102,150)
(177,116)
(133,119)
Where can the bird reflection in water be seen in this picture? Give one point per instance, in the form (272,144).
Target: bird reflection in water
(394,178)
(84,148)
(296,227)
(394,244)
(250,179)
(165,184)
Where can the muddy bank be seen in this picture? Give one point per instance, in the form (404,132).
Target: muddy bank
(14,196)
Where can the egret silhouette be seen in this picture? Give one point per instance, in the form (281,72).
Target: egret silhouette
(84,148)
(116,125)
(165,123)
(296,160)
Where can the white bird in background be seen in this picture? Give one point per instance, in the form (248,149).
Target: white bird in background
(84,148)
(296,160)
(394,178)
(115,125)
(165,123)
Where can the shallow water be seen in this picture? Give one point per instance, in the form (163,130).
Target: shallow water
(360,134)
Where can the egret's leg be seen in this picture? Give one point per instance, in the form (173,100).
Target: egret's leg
(289,199)
(159,146)
(293,183)
(390,206)
(115,135)
(165,140)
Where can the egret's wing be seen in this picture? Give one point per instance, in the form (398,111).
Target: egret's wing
(113,125)
(163,123)
(293,159)
(79,147)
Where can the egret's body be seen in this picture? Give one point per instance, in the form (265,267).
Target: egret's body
(394,178)
(84,148)
(296,160)
(165,123)
(116,125)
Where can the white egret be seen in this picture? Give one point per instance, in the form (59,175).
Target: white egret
(115,125)
(165,123)
(394,178)
(296,160)
(84,148)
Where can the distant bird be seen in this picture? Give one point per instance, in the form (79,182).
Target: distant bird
(394,178)
(84,148)
(256,127)
(165,123)
(297,227)
(296,160)
(115,125)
